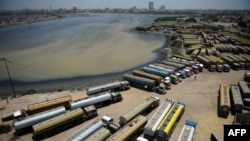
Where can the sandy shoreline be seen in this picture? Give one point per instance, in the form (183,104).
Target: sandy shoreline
(29,21)
(76,83)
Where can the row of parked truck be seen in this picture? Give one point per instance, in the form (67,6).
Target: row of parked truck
(160,75)
(129,127)
(49,116)
(225,62)
(134,125)
(234,98)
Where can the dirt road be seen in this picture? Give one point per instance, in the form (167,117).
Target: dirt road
(200,97)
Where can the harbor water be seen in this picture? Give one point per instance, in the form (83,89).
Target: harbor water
(76,51)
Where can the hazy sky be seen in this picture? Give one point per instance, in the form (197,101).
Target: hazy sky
(93,4)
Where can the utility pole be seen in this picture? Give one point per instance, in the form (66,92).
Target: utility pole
(12,86)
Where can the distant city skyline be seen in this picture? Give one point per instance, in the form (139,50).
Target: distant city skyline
(125,4)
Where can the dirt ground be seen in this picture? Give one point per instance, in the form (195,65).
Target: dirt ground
(200,97)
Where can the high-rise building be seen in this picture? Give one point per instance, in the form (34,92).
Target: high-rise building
(151,5)
(162,7)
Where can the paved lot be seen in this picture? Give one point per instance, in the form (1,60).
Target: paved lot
(200,97)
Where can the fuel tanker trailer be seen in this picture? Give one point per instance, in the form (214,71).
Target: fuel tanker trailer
(151,126)
(48,104)
(86,131)
(130,131)
(155,71)
(166,126)
(160,72)
(145,83)
(24,125)
(113,86)
(161,68)
(173,64)
(142,108)
(99,100)
(187,131)
(157,78)
(58,124)
(166,66)
(100,135)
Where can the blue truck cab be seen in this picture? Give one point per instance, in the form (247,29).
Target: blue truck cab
(183,74)
(226,68)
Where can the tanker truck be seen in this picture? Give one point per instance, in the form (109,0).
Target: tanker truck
(166,66)
(162,68)
(157,78)
(234,65)
(177,73)
(177,65)
(207,63)
(184,73)
(145,83)
(172,72)
(161,73)
(112,86)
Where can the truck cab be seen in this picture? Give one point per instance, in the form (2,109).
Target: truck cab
(242,65)
(174,79)
(183,74)
(200,65)
(235,66)
(226,68)
(247,76)
(107,120)
(196,69)
(167,82)
(219,68)
(179,76)
(188,74)
(212,68)
(161,89)
(190,70)
(141,139)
